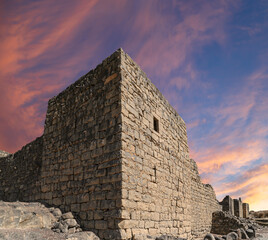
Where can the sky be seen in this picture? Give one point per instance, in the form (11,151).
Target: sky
(209,59)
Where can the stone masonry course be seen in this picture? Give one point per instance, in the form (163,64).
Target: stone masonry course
(115,153)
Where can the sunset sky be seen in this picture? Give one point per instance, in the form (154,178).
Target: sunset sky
(209,58)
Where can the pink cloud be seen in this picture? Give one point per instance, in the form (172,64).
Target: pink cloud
(237,139)
(34,35)
(168,41)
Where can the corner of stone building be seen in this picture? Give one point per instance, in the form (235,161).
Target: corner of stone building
(82,137)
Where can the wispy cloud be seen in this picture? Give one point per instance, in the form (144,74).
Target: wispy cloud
(236,139)
(166,41)
(39,56)
(46,45)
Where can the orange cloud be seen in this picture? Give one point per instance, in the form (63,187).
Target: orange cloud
(252,186)
(237,142)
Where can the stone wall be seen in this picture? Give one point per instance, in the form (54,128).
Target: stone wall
(76,164)
(203,204)
(238,210)
(20,173)
(228,204)
(245,207)
(162,192)
(155,196)
(115,153)
(81,169)
(224,222)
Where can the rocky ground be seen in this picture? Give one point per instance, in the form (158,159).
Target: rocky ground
(34,221)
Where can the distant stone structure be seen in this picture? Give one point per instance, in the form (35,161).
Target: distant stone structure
(235,207)
(228,204)
(245,207)
(115,153)
(238,210)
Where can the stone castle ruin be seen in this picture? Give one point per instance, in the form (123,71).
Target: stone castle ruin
(114,152)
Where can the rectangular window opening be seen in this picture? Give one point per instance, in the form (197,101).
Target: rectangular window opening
(154,180)
(156,124)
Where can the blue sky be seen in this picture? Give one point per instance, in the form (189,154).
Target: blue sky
(208,58)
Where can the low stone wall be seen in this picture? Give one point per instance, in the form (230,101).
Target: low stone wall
(203,204)
(224,222)
(20,173)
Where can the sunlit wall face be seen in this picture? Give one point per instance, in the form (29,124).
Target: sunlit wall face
(209,58)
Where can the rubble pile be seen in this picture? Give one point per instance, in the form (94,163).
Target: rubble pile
(24,221)
(65,223)
(229,227)
(162,237)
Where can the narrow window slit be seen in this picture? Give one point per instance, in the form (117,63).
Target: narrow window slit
(154,174)
(156,124)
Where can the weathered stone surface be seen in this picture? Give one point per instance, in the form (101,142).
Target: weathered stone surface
(68,215)
(209,236)
(27,221)
(83,236)
(3,154)
(228,205)
(25,215)
(56,212)
(71,223)
(251,232)
(245,207)
(238,209)
(224,222)
(36,234)
(232,236)
(115,153)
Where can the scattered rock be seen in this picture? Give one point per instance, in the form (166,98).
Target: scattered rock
(232,236)
(67,215)
(209,236)
(16,218)
(83,236)
(56,212)
(251,233)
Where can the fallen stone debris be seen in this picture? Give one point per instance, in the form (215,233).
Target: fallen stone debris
(33,220)
(27,221)
(148,237)
(226,226)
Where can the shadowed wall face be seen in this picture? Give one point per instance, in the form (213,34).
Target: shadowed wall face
(75,165)
(245,210)
(81,169)
(20,173)
(228,204)
(203,204)
(238,210)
